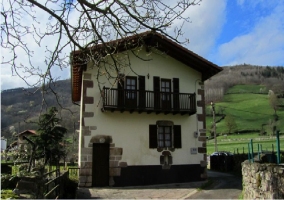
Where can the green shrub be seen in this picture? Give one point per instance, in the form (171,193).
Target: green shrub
(8,194)
(9,181)
(70,188)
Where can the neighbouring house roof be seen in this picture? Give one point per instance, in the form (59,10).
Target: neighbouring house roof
(27,132)
(149,38)
(12,145)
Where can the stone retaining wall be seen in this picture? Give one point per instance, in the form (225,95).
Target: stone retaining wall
(262,181)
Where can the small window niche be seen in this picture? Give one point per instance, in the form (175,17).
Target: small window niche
(166,160)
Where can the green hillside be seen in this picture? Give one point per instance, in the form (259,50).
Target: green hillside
(249,108)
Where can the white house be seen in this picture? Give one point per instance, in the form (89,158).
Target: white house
(22,143)
(149,126)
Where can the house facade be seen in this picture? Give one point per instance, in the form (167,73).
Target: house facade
(22,143)
(148,127)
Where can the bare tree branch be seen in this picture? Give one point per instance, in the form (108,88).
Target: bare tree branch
(37,36)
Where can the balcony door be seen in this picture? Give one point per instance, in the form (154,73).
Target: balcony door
(166,94)
(131,92)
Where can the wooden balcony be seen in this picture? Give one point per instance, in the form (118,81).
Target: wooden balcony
(149,101)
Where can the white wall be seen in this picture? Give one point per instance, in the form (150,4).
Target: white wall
(3,144)
(130,131)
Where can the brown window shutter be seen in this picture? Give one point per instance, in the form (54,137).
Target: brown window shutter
(141,82)
(156,83)
(120,92)
(153,136)
(176,85)
(177,136)
(142,93)
(156,92)
(120,83)
(176,93)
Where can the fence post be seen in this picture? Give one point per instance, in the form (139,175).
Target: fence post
(248,152)
(278,147)
(258,152)
(251,144)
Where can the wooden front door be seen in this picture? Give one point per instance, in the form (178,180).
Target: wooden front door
(100,164)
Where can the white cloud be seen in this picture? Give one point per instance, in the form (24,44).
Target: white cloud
(206,18)
(39,52)
(207,22)
(263,45)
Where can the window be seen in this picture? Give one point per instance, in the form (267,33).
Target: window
(164,94)
(130,87)
(164,134)
(166,89)
(127,92)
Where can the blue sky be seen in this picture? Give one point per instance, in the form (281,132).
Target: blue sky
(226,32)
(239,31)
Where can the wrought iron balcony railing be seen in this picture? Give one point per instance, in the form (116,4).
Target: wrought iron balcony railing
(149,101)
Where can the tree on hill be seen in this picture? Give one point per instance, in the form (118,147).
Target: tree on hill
(217,86)
(230,123)
(50,137)
(79,25)
(273,101)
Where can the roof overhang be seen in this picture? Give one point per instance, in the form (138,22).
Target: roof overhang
(150,39)
(27,132)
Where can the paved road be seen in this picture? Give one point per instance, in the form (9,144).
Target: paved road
(167,191)
(225,186)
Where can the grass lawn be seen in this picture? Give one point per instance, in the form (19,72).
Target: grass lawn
(248,89)
(251,112)
(233,144)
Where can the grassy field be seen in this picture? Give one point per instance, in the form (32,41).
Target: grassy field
(248,89)
(237,143)
(250,111)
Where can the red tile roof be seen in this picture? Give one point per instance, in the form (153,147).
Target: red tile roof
(30,132)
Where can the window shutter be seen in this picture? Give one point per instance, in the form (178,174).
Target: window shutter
(142,93)
(141,82)
(176,85)
(156,92)
(120,92)
(153,136)
(177,136)
(176,93)
(156,83)
(120,83)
